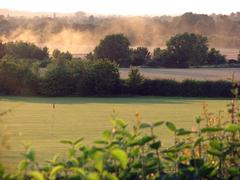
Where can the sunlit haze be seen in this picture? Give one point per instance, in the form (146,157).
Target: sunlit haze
(125,7)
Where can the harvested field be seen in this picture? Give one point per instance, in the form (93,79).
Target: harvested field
(181,74)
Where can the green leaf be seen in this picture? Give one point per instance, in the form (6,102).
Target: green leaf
(55,171)
(36,175)
(93,176)
(2,170)
(211,129)
(182,158)
(145,125)
(156,145)
(98,157)
(216,144)
(119,122)
(182,132)
(55,158)
(232,128)
(121,156)
(78,141)
(234,171)
(30,155)
(66,142)
(100,142)
(145,140)
(23,165)
(198,120)
(79,171)
(159,123)
(107,134)
(214,152)
(198,141)
(171,126)
(108,176)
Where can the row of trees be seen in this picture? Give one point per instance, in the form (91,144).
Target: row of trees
(95,78)
(182,50)
(26,50)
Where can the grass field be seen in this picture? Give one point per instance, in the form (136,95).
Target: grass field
(35,120)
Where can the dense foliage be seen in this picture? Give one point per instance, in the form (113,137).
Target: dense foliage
(25,50)
(95,78)
(210,150)
(114,47)
(183,51)
(17,78)
(58,55)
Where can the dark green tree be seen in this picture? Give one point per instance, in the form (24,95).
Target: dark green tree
(215,57)
(157,54)
(135,80)
(104,76)
(2,49)
(61,56)
(186,50)
(114,47)
(17,78)
(58,81)
(26,50)
(140,56)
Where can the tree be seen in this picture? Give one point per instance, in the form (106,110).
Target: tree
(2,49)
(58,81)
(114,47)
(104,76)
(157,54)
(61,56)
(186,50)
(140,56)
(26,50)
(17,78)
(215,57)
(134,81)
(56,53)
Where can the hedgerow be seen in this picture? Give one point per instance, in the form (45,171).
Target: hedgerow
(96,78)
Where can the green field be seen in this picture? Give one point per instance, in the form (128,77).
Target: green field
(34,119)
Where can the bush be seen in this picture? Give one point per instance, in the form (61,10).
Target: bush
(161,88)
(104,76)
(134,81)
(25,50)
(57,82)
(114,47)
(16,78)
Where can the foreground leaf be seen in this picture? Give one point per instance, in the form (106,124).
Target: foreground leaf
(121,156)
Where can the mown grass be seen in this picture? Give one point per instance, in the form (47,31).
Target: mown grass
(35,120)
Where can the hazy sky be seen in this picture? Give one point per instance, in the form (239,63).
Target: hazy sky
(126,7)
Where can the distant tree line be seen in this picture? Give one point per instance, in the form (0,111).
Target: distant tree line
(182,51)
(222,30)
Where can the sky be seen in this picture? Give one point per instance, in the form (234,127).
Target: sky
(125,7)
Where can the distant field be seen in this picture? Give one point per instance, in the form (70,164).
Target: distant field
(229,52)
(35,120)
(181,74)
